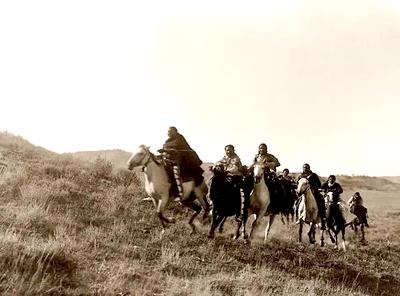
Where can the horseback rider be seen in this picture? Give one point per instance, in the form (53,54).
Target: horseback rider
(288,181)
(231,162)
(357,208)
(336,189)
(332,186)
(315,184)
(285,176)
(267,159)
(181,161)
(231,169)
(270,163)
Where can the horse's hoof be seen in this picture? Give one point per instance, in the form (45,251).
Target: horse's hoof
(211,235)
(220,230)
(333,241)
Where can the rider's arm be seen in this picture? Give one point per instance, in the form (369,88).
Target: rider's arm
(339,188)
(233,166)
(351,200)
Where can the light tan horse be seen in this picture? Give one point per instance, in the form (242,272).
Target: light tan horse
(157,187)
(308,211)
(259,202)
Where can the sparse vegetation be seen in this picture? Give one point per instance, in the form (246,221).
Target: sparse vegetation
(69,227)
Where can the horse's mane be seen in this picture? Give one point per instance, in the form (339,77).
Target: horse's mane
(152,156)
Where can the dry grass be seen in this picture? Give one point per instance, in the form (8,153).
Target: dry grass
(74,228)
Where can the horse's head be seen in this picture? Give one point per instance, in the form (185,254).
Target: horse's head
(258,171)
(328,197)
(139,158)
(218,170)
(302,186)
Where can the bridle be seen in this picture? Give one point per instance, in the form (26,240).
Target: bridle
(151,158)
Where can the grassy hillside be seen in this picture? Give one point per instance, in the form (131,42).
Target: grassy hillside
(69,227)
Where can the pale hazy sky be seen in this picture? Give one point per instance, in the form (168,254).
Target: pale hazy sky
(318,81)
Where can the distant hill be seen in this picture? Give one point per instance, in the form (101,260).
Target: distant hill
(394,179)
(366,182)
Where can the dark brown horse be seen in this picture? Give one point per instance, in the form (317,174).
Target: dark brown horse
(360,220)
(227,196)
(336,220)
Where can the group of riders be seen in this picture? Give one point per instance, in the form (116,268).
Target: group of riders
(182,164)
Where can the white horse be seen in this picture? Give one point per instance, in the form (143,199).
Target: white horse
(158,186)
(259,202)
(308,211)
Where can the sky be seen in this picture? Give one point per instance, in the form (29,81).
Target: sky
(317,81)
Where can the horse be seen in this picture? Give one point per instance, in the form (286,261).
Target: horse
(289,197)
(247,187)
(360,220)
(157,186)
(258,204)
(336,221)
(308,211)
(227,196)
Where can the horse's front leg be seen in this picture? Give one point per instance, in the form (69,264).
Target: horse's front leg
(333,240)
(238,227)
(221,225)
(207,210)
(283,218)
(254,225)
(197,209)
(322,242)
(343,238)
(201,195)
(311,233)
(271,220)
(336,240)
(162,205)
(216,220)
(245,217)
(362,233)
